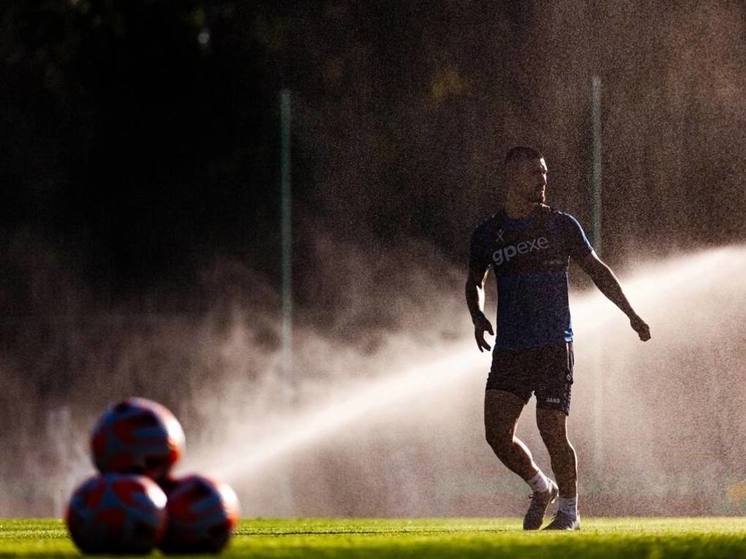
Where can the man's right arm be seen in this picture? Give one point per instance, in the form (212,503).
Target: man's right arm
(474,291)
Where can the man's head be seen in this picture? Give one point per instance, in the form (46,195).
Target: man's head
(525,175)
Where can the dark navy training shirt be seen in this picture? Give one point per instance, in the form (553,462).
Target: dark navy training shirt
(529,258)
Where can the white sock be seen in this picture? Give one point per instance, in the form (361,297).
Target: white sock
(539,483)
(569,506)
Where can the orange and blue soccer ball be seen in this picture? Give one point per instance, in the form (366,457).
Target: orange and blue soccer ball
(137,436)
(117,513)
(202,514)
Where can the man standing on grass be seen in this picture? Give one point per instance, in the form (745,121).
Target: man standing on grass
(528,245)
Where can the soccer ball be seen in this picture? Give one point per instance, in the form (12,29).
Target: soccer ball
(137,436)
(117,513)
(202,514)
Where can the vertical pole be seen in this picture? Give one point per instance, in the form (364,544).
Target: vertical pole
(286,234)
(596,116)
(284,495)
(598,385)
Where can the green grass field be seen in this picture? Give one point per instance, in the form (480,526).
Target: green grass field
(607,538)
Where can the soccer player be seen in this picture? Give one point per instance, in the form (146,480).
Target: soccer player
(528,246)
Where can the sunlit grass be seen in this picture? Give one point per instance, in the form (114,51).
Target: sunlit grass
(433,538)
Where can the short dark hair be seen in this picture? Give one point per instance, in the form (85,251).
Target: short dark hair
(522,153)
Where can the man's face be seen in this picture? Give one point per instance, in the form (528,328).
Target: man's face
(529,179)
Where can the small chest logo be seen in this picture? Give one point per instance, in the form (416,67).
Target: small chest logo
(503,255)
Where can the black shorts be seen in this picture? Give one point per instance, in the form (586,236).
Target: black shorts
(545,371)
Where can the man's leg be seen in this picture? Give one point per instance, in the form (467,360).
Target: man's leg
(553,428)
(501,412)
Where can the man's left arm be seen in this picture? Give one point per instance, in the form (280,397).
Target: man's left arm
(607,283)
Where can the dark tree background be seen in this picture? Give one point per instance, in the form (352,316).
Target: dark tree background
(131,142)
(141,137)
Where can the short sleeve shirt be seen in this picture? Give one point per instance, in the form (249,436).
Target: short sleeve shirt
(529,258)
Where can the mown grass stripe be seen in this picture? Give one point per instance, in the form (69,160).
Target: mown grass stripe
(464,538)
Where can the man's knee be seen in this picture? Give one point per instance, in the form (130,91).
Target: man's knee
(552,428)
(501,412)
(500,440)
(559,447)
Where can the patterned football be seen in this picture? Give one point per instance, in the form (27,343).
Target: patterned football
(117,513)
(202,514)
(137,436)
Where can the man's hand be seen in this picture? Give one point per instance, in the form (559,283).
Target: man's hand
(482,325)
(639,326)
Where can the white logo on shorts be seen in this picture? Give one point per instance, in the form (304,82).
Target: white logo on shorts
(552,400)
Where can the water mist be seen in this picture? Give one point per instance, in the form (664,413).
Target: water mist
(657,426)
